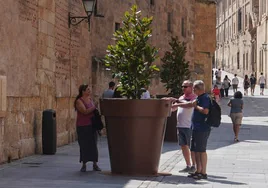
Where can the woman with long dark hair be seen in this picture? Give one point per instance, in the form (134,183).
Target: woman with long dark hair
(87,136)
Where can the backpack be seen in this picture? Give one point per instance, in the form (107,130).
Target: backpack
(214,115)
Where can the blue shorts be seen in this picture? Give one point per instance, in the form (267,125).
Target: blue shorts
(199,141)
(262,86)
(184,136)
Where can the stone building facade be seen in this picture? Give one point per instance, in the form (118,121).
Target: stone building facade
(242,36)
(43,61)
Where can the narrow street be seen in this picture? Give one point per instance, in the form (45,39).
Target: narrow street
(243,164)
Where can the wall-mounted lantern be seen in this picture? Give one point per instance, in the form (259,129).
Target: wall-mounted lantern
(90,7)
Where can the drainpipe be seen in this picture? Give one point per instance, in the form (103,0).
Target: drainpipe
(265,50)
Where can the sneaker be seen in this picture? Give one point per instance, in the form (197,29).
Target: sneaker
(192,170)
(186,169)
(200,176)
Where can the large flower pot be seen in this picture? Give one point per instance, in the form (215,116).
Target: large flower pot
(171,125)
(135,132)
(171,128)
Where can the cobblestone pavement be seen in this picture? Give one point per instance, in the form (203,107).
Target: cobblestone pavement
(242,165)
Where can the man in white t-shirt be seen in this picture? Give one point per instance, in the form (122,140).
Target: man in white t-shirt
(235,83)
(219,76)
(184,105)
(262,82)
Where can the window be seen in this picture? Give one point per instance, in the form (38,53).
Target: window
(238,61)
(244,62)
(151,2)
(116,26)
(239,25)
(3,95)
(246,20)
(183,28)
(247,61)
(169,22)
(261,61)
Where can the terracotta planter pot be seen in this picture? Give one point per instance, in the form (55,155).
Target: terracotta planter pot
(171,125)
(135,132)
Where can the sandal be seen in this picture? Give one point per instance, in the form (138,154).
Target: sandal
(200,176)
(192,175)
(96,168)
(83,169)
(236,140)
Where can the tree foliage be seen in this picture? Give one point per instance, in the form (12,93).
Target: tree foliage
(175,69)
(131,58)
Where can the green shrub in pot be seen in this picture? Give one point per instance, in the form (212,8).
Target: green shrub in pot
(131,57)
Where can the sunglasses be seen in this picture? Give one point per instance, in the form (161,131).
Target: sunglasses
(184,86)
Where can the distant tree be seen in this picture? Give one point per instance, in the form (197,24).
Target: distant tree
(175,69)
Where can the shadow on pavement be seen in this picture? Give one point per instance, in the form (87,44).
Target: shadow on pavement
(178,179)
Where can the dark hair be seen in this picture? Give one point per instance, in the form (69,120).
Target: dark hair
(246,76)
(235,75)
(81,89)
(238,95)
(111,84)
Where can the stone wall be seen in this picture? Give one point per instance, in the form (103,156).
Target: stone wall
(205,41)
(44,61)
(103,29)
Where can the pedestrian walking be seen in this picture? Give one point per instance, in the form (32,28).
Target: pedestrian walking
(226,84)
(87,136)
(216,93)
(262,82)
(201,129)
(253,81)
(219,76)
(110,91)
(246,84)
(235,83)
(184,107)
(236,114)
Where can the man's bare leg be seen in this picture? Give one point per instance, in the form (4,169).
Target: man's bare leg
(204,160)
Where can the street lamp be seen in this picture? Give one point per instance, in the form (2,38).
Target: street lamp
(264,46)
(90,7)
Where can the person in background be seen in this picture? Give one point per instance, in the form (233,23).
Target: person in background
(110,91)
(246,84)
(226,84)
(216,93)
(253,81)
(117,93)
(219,76)
(222,91)
(146,93)
(262,82)
(235,83)
(87,136)
(236,114)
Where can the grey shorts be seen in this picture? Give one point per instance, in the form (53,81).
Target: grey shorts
(184,136)
(199,141)
(234,86)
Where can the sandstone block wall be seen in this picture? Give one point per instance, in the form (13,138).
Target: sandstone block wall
(44,61)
